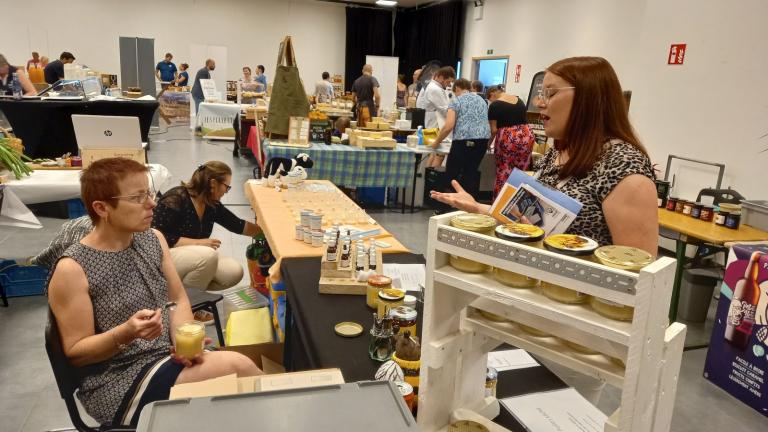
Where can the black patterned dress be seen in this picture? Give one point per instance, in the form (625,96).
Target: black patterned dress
(120,284)
(618,161)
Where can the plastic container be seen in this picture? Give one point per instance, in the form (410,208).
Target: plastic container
(573,245)
(532,236)
(21,280)
(755,214)
(375,284)
(482,224)
(625,258)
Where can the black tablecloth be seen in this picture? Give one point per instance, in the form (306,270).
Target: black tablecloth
(310,342)
(45,127)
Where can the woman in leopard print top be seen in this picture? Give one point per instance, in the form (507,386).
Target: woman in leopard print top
(597,159)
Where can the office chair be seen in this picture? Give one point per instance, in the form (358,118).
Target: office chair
(202,300)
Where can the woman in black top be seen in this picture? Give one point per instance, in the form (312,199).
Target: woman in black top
(513,138)
(6,79)
(186,214)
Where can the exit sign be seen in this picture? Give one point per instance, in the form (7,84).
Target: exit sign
(489,52)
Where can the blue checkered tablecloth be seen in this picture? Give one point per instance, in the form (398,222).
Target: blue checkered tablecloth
(351,166)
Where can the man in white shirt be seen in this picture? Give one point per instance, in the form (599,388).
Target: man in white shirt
(324,89)
(434,101)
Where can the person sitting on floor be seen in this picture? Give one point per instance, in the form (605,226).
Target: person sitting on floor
(107,294)
(185,215)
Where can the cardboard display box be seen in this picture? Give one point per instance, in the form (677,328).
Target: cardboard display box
(90,155)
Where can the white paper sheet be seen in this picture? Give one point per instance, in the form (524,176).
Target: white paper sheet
(556,411)
(511,359)
(15,213)
(410,277)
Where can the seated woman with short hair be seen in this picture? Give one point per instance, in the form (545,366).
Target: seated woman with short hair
(107,294)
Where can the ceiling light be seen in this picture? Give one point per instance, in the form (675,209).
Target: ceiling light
(388,3)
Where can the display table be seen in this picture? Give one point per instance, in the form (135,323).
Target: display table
(45,127)
(694,231)
(352,166)
(216,120)
(274,216)
(310,342)
(59,185)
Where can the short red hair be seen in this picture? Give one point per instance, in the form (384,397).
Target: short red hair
(99,181)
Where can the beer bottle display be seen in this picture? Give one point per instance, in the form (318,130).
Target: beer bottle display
(741,314)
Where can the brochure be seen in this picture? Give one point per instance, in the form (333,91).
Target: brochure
(524,199)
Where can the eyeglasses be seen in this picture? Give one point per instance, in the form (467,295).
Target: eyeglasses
(139,198)
(229,188)
(545,94)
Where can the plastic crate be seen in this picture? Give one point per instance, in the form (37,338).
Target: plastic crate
(76,208)
(20,280)
(755,214)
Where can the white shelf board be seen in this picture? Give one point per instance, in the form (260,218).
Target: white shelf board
(597,366)
(624,298)
(532,301)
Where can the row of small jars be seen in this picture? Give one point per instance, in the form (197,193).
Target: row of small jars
(727,215)
(620,257)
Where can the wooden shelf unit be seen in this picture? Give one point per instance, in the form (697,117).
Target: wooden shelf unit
(457,339)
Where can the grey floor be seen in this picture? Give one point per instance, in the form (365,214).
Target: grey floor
(29,399)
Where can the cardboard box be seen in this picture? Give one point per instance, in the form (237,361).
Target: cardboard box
(91,155)
(269,358)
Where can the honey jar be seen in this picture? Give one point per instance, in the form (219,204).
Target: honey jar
(687,207)
(375,284)
(518,233)
(625,258)
(405,319)
(533,331)
(579,348)
(492,316)
(482,224)
(573,245)
(389,298)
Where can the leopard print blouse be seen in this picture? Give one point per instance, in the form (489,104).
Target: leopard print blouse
(618,160)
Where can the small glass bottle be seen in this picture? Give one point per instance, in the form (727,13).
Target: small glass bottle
(382,344)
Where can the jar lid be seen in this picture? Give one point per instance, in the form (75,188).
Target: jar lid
(473,222)
(191,328)
(404,388)
(409,300)
(707,206)
(379,280)
(730,207)
(623,257)
(391,294)
(491,374)
(570,244)
(466,426)
(518,232)
(404,313)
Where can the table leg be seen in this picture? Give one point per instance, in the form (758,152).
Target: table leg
(415,174)
(405,192)
(680,256)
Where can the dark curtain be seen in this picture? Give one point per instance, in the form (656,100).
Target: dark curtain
(430,33)
(369,32)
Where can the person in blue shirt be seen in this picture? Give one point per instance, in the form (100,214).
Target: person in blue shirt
(165,71)
(183,79)
(261,78)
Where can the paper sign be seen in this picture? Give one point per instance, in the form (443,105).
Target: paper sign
(408,277)
(209,89)
(676,54)
(556,411)
(511,359)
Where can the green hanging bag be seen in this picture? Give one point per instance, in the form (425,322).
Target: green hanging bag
(288,98)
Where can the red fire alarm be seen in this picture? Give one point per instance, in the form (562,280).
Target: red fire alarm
(676,54)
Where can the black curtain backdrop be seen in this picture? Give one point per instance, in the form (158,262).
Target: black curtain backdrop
(430,33)
(369,32)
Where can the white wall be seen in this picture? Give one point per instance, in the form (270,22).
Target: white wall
(250,29)
(711,108)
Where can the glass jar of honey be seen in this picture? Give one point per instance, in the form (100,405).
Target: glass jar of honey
(389,298)
(375,284)
(482,224)
(625,258)
(579,348)
(405,319)
(573,245)
(532,236)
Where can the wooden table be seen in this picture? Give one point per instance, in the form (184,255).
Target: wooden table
(274,216)
(694,231)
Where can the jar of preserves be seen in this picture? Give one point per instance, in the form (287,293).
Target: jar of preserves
(389,298)
(375,284)
(733,220)
(720,218)
(532,236)
(574,245)
(696,210)
(625,258)
(679,205)
(482,224)
(707,213)
(687,207)
(671,204)
(405,319)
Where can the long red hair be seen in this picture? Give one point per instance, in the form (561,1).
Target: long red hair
(599,113)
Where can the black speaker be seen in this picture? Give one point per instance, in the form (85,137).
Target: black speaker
(416,116)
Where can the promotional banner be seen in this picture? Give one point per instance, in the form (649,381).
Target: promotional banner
(737,360)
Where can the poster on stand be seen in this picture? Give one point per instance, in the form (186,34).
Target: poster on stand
(174,106)
(737,360)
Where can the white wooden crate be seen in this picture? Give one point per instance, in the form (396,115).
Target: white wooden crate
(456,339)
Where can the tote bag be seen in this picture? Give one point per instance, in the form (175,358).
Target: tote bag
(289,99)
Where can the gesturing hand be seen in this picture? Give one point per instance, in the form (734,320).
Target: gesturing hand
(146,324)
(460,199)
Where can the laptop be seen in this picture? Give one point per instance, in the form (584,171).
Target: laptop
(102,132)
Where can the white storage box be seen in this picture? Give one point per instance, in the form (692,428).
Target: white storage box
(755,214)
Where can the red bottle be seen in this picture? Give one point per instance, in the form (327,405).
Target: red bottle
(741,314)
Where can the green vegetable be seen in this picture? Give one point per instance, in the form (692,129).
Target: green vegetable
(13,161)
